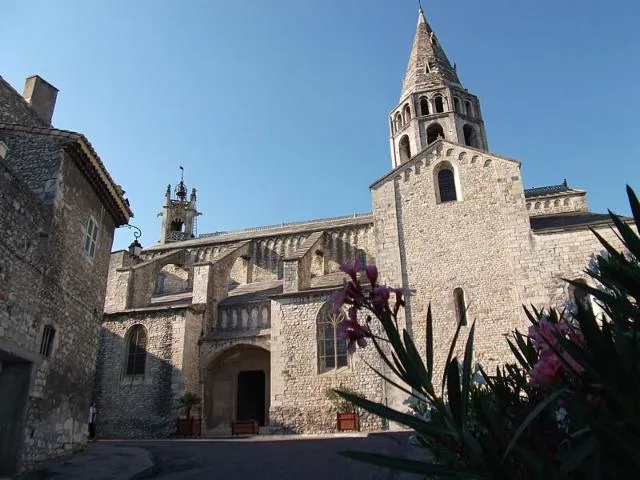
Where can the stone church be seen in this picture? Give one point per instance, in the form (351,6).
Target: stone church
(242,318)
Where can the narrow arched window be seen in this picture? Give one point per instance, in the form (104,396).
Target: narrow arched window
(461,306)
(470,136)
(136,350)
(424,106)
(456,104)
(332,351)
(447,185)
(434,132)
(398,121)
(405,149)
(469,108)
(48,336)
(406,114)
(439,102)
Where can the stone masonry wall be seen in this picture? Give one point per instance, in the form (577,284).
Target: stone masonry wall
(15,109)
(145,405)
(472,244)
(551,205)
(298,402)
(69,297)
(561,255)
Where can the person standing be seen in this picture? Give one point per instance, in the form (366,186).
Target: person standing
(92,421)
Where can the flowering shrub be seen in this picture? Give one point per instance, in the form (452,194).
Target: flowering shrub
(566,407)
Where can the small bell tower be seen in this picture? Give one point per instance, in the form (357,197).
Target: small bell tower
(179,214)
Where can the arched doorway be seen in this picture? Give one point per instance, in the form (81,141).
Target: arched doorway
(237,387)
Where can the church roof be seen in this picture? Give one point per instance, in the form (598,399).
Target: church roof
(428,63)
(570,221)
(549,190)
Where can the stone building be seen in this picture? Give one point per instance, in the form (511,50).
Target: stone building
(242,317)
(58,211)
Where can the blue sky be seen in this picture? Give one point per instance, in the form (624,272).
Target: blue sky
(278,110)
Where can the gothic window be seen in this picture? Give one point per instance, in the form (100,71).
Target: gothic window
(446,183)
(461,306)
(469,108)
(406,114)
(434,131)
(46,345)
(361,257)
(470,136)
(90,238)
(332,351)
(439,102)
(424,106)
(456,104)
(136,350)
(404,148)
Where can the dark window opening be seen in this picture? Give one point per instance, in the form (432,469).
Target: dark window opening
(456,104)
(424,106)
(176,226)
(461,307)
(406,114)
(434,132)
(447,185)
(469,108)
(250,404)
(46,345)
(439,104)
(405,149)
(137,353)
(470,136)
(398,122)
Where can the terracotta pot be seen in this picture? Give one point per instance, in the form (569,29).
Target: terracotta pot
(189,427)
(348,421)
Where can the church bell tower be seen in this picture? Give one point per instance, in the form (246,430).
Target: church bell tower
(179,214)
(433,103)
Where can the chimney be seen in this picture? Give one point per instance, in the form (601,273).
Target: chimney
(41,96)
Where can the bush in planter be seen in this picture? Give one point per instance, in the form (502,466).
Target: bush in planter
(567,407)
(340,404)
(186,402)
(188,426)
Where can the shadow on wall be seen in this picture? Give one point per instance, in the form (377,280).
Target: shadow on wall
(143,403)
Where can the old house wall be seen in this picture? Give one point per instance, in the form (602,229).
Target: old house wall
(70,291)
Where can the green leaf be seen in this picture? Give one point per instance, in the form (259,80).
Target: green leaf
(422,379)
(430,344)
(453,391)
(399,464)
(466,375)
(383,411)
(575,457)
(532,415)
(452,348)
(635,206)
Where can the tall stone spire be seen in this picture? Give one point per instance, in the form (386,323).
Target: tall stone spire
(428,64)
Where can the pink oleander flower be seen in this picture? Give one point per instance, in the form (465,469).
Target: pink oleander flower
(354,333)
(372,274)
(546,371)
(351,270)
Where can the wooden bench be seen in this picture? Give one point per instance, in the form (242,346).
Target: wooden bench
(244,427)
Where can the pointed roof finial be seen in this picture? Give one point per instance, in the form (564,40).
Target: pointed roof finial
(428,64)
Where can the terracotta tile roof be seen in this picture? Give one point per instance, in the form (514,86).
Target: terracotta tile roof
(102,179)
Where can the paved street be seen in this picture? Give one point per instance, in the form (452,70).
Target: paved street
(263,457)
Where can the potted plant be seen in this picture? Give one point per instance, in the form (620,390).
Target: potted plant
(188,426)
(347,416)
